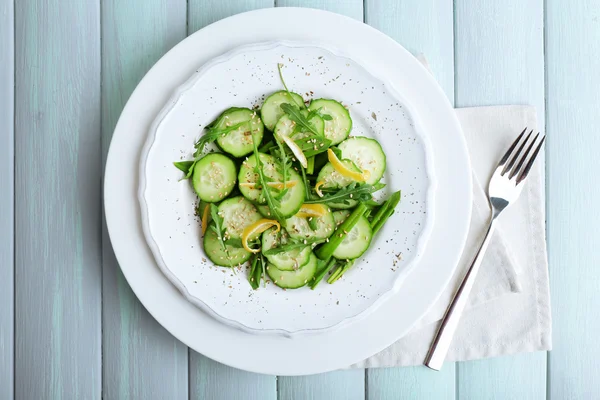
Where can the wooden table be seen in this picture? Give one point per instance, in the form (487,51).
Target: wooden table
(71,328)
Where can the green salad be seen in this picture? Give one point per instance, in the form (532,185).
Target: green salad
(290,192)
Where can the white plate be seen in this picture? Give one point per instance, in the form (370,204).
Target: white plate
(243,77)
(304,354)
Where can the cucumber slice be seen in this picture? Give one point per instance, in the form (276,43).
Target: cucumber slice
(299,228)
(271,109)
(293,279)
(214,177)
(288,260)
(340,216)
(356,241)
(285,127)
(291,201)
(247,175)
(265,211)
(234,256)
(238,214)
(367,154)
(238,142)
(334,180)
(338,128)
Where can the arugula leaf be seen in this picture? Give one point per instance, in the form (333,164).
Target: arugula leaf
(296,115)
(307,195)
(184,166)
(279,65)
(254,275)
(313,146)
(354,191)
(312,113)
(218,226)
(212,134)
(283,166)
(271,201)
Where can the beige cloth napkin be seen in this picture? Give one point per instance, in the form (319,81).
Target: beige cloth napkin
(509,309)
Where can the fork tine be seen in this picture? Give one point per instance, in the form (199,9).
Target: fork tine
(517,167)
(515,154)
(529,164)
(510,149)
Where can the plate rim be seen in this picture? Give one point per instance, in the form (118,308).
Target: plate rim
(136,261)
(189,84)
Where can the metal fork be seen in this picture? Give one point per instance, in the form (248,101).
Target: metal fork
(505,186)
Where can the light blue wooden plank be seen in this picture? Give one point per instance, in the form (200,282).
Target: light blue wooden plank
(573,104)
(499,50)
(209,379)
(340,384)
(350,8)
(205,12)
(422,27)
(212,380)
(57,200)
(7,82)
(141,360)
(499,59)
(521,376)
(347,385)
(411,383)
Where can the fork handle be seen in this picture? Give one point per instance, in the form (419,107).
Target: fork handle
(443,338)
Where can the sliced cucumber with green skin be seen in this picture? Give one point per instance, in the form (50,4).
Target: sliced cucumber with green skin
(264,210)
(291,201)
(238,214)
(334,180)
(238,142)
(356,241)
(248,175)
(234,256)
(214,177)
(339,126)
(271,109)
(367,154)
(299,228)
(293,279)
(285,127)
(287,260)
(340,216)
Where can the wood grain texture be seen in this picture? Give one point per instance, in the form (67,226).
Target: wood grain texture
(349,8)
(423,28)
(212,380)
(7,74)
(207,378)
(433,40)
(205,12)
(340,384)
(499,59)
(521,376)
(141,360)
(573,104)
(57,200)
(347,385)
(411,383)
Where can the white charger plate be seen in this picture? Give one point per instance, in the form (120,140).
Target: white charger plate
(243,77)
(305,354)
